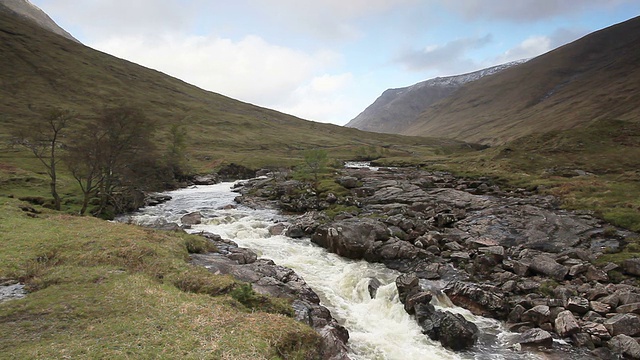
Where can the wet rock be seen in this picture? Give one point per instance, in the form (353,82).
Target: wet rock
(583,340)
(373,286)
(351,238)
(604,353)
(407,284)
(536,337)
(479,299)
(154,199)
(242,255)
(193,218)
(627,324)
(566,324)
(208,179)
(414,299)
(452,330)
(277,229)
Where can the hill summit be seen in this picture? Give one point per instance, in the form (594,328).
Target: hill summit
(397,109)
(27,10)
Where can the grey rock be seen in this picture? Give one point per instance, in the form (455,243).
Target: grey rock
(546,265)
(566,324)
(480,300)
(600,307)
(578,304)
(538,315)
(596,329)
(193,218)
(536,337)
(627,324)
(625,345)
(629,308)
(632,266)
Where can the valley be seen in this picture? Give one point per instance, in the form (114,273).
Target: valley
(506,199)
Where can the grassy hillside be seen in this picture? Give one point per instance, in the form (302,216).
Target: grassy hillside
(41,69)
(103,290)
(593,78)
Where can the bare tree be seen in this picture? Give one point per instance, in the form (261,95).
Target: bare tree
(43,137)
(83,157)
(126,152)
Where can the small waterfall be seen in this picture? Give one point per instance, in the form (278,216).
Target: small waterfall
(379,327)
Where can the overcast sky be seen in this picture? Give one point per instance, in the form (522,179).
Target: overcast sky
(326,60)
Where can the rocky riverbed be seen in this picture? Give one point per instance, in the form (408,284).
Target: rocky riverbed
(513,256)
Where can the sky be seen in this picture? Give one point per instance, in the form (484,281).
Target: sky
(327,60)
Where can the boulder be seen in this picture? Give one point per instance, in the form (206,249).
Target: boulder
(566,324)
(193,218)
(208,179)
(600,307)
(373,286)
(538,315)
(348,182)
(479,299)
(596,329)
(535,337)
(242,255)
(407,284)
(578,304)
(632,266)
(625,345)
(351,238)
(546,265)
(627,324)
(452,330)
(629,308)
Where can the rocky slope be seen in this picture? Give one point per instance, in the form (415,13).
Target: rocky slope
(510,255)
(397,109)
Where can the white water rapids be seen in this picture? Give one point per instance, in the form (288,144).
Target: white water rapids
(379,328)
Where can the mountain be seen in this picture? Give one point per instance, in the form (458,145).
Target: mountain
(593,78)
(397,109)
(31,12)
(40,70)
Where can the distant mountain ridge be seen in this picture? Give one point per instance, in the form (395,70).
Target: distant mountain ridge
(396,109)
(593,78)
(27,10)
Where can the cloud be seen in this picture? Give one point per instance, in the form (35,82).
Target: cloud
(448,58)
(524,10)
(537,45)
(250,69)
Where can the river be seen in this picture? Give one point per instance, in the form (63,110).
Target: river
(379,328)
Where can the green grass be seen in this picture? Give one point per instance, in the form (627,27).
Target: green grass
(104,290)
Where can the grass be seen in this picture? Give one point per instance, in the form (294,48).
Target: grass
(105,290)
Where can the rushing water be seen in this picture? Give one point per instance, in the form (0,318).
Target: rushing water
(379,328)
